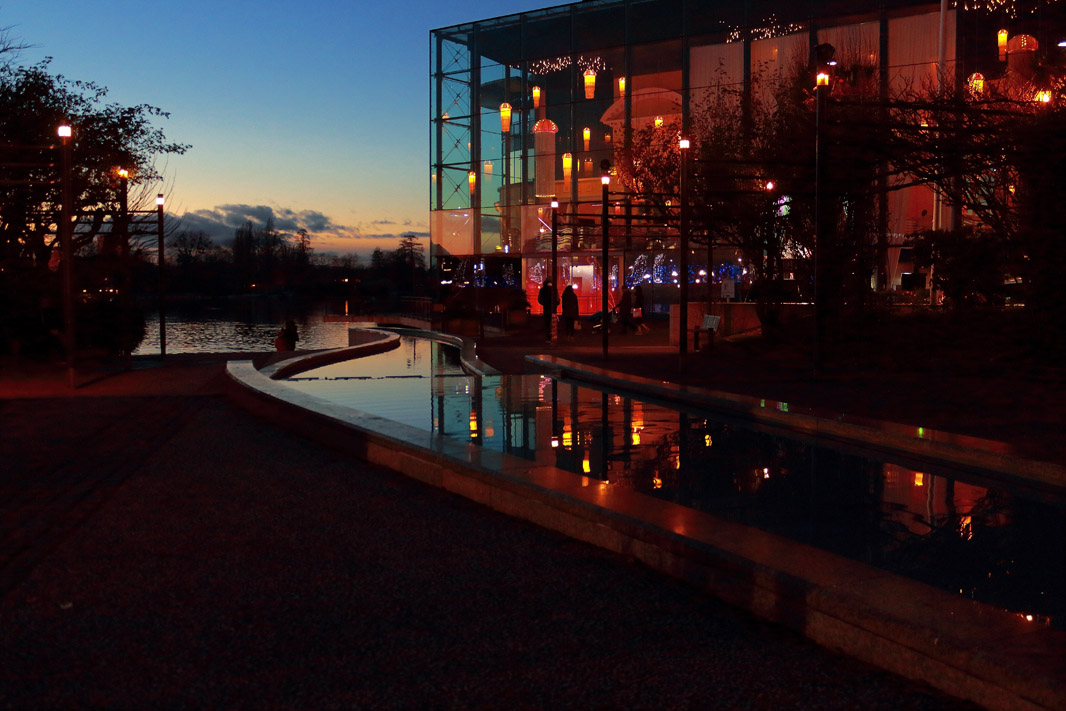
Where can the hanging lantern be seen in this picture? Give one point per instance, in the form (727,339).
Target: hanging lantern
(536,97)
(472,179)
(488,167)
(590,83)
(1002,45)
(607,138)
(976,82)
(505,117)
(586,166)
(568,162)
(587,135)
(658,122)
(621,86)
(544,157)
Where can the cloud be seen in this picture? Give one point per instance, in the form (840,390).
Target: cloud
(220,222)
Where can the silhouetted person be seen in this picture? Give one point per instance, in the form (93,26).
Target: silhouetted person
(287,337)
(548,298)
(570,311)
(625,312)
(638,309)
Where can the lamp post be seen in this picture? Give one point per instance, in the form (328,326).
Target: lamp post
(821,87)
(66,240)
(683,145)
(555,242)
(159,200)
(605,279)
(555,261)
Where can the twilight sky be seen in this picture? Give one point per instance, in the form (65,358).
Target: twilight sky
(314,112)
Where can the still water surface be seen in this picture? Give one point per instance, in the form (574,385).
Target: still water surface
(998,544)
(217,331)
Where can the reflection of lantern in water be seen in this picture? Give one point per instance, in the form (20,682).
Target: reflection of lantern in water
(568,162)
(473,425)
(586,466)
(590,83)
(586,134)
(536,97)
(621,86)
(505,117)
(1002,37)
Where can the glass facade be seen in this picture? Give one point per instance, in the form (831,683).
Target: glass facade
(526,108)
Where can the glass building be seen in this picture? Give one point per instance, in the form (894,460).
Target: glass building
(533,107)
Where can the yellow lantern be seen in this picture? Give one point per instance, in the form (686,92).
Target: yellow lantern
(607,138)
(976,82)
(1002,45)
(822,79)
(1043,97)
(587,135)
(568,162)
(536,97)
(505,117)
(621,86)
(658,122)
(590,83)
(472,179)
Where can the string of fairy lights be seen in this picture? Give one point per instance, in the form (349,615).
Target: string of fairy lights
(1012,8)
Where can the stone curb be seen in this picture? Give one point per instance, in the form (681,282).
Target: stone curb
(967,649)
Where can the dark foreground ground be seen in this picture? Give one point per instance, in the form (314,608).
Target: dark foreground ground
(161,549)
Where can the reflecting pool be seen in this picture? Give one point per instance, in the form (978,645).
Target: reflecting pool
(987,541)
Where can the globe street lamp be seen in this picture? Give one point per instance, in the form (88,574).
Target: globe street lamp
(66,239)
(605,283)
(159,200)
(683,145)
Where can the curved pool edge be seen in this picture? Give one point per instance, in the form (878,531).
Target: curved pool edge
(970,650)
(922,443)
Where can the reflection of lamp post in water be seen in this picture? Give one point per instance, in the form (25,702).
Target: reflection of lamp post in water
(605,281)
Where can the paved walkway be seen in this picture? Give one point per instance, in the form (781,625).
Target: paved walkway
(160,548)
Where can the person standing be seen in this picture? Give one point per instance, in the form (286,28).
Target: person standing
(287,337)
(548,298)
(570,311)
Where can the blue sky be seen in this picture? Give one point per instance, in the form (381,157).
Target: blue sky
(313,111)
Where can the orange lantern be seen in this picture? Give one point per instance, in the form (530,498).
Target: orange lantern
(621,86)
(505,117)
(590,83)
(568,162)
(587,135)
(536,97)
(976,82)
(472,179)
(488,167)
(658,122)
(607,138)
(1002,36)
(822,79)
